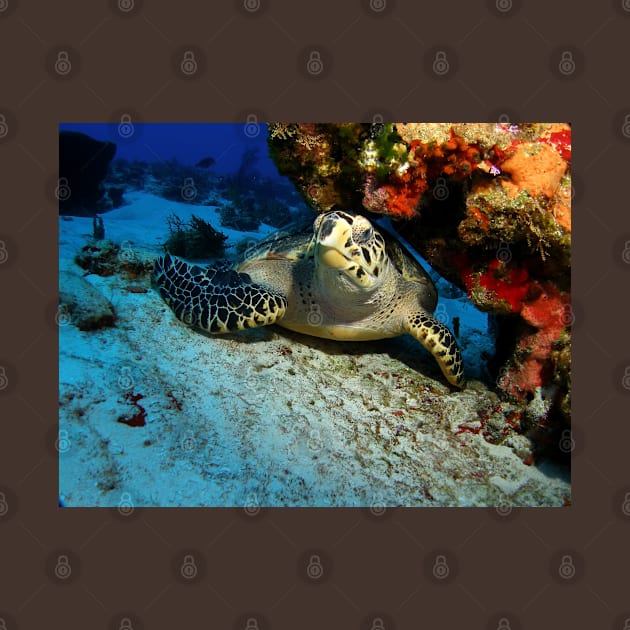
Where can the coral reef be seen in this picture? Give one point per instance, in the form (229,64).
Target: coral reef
(194,239)
(322,160)
(488,205)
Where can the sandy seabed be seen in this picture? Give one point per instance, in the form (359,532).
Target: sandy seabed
(268,417)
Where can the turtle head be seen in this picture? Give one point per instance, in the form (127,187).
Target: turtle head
(348,246)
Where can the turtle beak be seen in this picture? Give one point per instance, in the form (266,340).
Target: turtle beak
(331,236)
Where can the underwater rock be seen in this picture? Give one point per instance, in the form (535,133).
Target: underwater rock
(83,304)
(488,206)
(83,165)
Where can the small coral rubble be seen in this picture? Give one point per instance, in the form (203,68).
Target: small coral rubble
(487,204)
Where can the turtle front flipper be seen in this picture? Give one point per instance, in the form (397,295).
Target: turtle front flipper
(439,341)
(215,299)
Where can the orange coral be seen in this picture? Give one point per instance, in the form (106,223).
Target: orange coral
(534,167)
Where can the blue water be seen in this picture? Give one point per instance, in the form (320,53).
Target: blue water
(188,143)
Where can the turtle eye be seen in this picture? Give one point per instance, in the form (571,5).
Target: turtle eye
(362,230)
(365,235)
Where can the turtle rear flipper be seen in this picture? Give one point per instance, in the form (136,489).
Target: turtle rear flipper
(215,299)
(439,341)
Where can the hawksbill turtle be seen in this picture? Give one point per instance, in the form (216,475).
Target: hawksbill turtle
(340,278)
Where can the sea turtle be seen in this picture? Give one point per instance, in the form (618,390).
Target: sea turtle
(339,279)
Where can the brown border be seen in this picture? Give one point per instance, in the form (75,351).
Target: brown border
(527,568)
